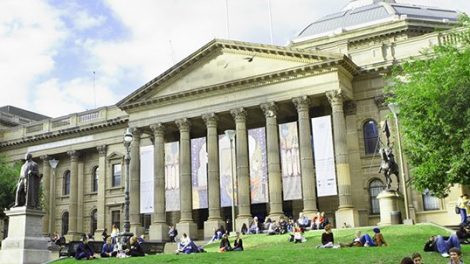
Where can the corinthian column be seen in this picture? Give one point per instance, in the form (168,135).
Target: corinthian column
(274,166)
(243,172)
(46,171)
(101,197)
(73,197)
(134,184)
(159,229)
(214,220)
(186,224)
(302,104)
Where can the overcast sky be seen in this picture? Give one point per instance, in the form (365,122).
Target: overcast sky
(50,49)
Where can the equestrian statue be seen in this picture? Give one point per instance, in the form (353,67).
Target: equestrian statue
(388,165)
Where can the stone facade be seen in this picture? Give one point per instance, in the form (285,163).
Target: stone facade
(216,89)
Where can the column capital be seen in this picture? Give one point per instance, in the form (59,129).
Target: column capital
(45,157)
(302,103)
(269,109)
(210,119)
(102,150)
(183,124)
(136,132)
(239,114)
(158,129)
(335,97)
(73,154)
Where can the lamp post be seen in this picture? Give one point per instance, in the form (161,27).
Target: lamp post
(395,108)
(127,143)
(53,163)
(231,136)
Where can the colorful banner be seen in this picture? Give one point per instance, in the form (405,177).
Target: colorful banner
(199,172)
(290,161)
(324,156)
(172,179)
(258,165)
(225,171)
(146,179)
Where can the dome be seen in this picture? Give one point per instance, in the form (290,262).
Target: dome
(364,13)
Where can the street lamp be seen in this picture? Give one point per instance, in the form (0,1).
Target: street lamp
(127,143)
(395,108)
(53,163)
(231,136)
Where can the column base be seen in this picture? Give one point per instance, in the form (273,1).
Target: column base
(98,235)
(159,232)
(210,226)
(137,230)
(240,220)
(190,228)
(350,216)
(276,217)
(389,201)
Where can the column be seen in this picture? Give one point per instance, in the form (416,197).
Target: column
(214,220)
(46,184)
(134,184)
(346,212)
(243,171)
(73,197)
(302,104)
(274,166)
(52,196)
(158,229)
(80,197)
(186,224)
(101,197)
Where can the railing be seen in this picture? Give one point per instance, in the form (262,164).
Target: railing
(87,117)
(454,37)
(34,128)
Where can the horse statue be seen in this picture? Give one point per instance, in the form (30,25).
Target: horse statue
(388,166)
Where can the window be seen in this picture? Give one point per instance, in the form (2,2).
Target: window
(375,187)
(116,175)
(66,190)
(430,202)
(94,221)
(371,137)
(94,179)
(146,219)
(65,223)
(116,218)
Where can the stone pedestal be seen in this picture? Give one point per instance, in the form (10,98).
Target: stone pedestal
(25,243)
(350,216)
(240,220)
(210,226)
(189,228)
(159,232)
(389,201)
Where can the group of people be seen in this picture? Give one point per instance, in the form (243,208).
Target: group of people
(187,246)
(365,240)
(225,243)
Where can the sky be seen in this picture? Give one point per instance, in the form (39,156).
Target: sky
(62,57)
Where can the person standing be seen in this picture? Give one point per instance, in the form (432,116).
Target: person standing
(462,204)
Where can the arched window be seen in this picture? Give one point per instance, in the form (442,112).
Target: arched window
(371,137)
(94,221)
(65,223)
(94,179)
(375,187)
(66,190)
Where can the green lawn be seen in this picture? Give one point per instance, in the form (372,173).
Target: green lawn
(402,240)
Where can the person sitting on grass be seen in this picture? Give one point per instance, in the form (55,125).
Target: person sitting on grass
(327,239)
(378,238)
(455,256)
(238,243)
(297,235)
(254,226)
(134,249)
(84,250)
(187,246)
(406,260)
(442,244)
(360,241)
(273,228)
(417,259)
(108,249)
(225,244)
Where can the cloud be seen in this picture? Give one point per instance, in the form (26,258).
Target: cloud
(83,21)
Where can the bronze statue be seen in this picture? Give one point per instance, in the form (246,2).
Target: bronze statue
(27,189)
(388,164)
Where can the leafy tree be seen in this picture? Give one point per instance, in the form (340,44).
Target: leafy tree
(8,179)
(434,99)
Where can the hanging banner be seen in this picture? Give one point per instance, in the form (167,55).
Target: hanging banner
(225,171)
(290,161)
(199,172)
(146,179)
(258,165)
(324,156)
(172,179)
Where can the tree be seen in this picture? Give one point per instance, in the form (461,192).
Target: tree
(434,99)
(9,174)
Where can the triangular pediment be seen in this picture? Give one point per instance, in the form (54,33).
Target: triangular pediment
(221,62)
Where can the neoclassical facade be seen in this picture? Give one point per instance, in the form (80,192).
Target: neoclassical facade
(334,70)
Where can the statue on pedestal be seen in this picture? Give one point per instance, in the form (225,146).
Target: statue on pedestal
(27,189)
(388,165)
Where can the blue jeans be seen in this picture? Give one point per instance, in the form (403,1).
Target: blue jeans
(463,215)
(443,245)
(367,239)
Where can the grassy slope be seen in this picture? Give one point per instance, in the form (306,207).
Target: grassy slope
(403,241)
